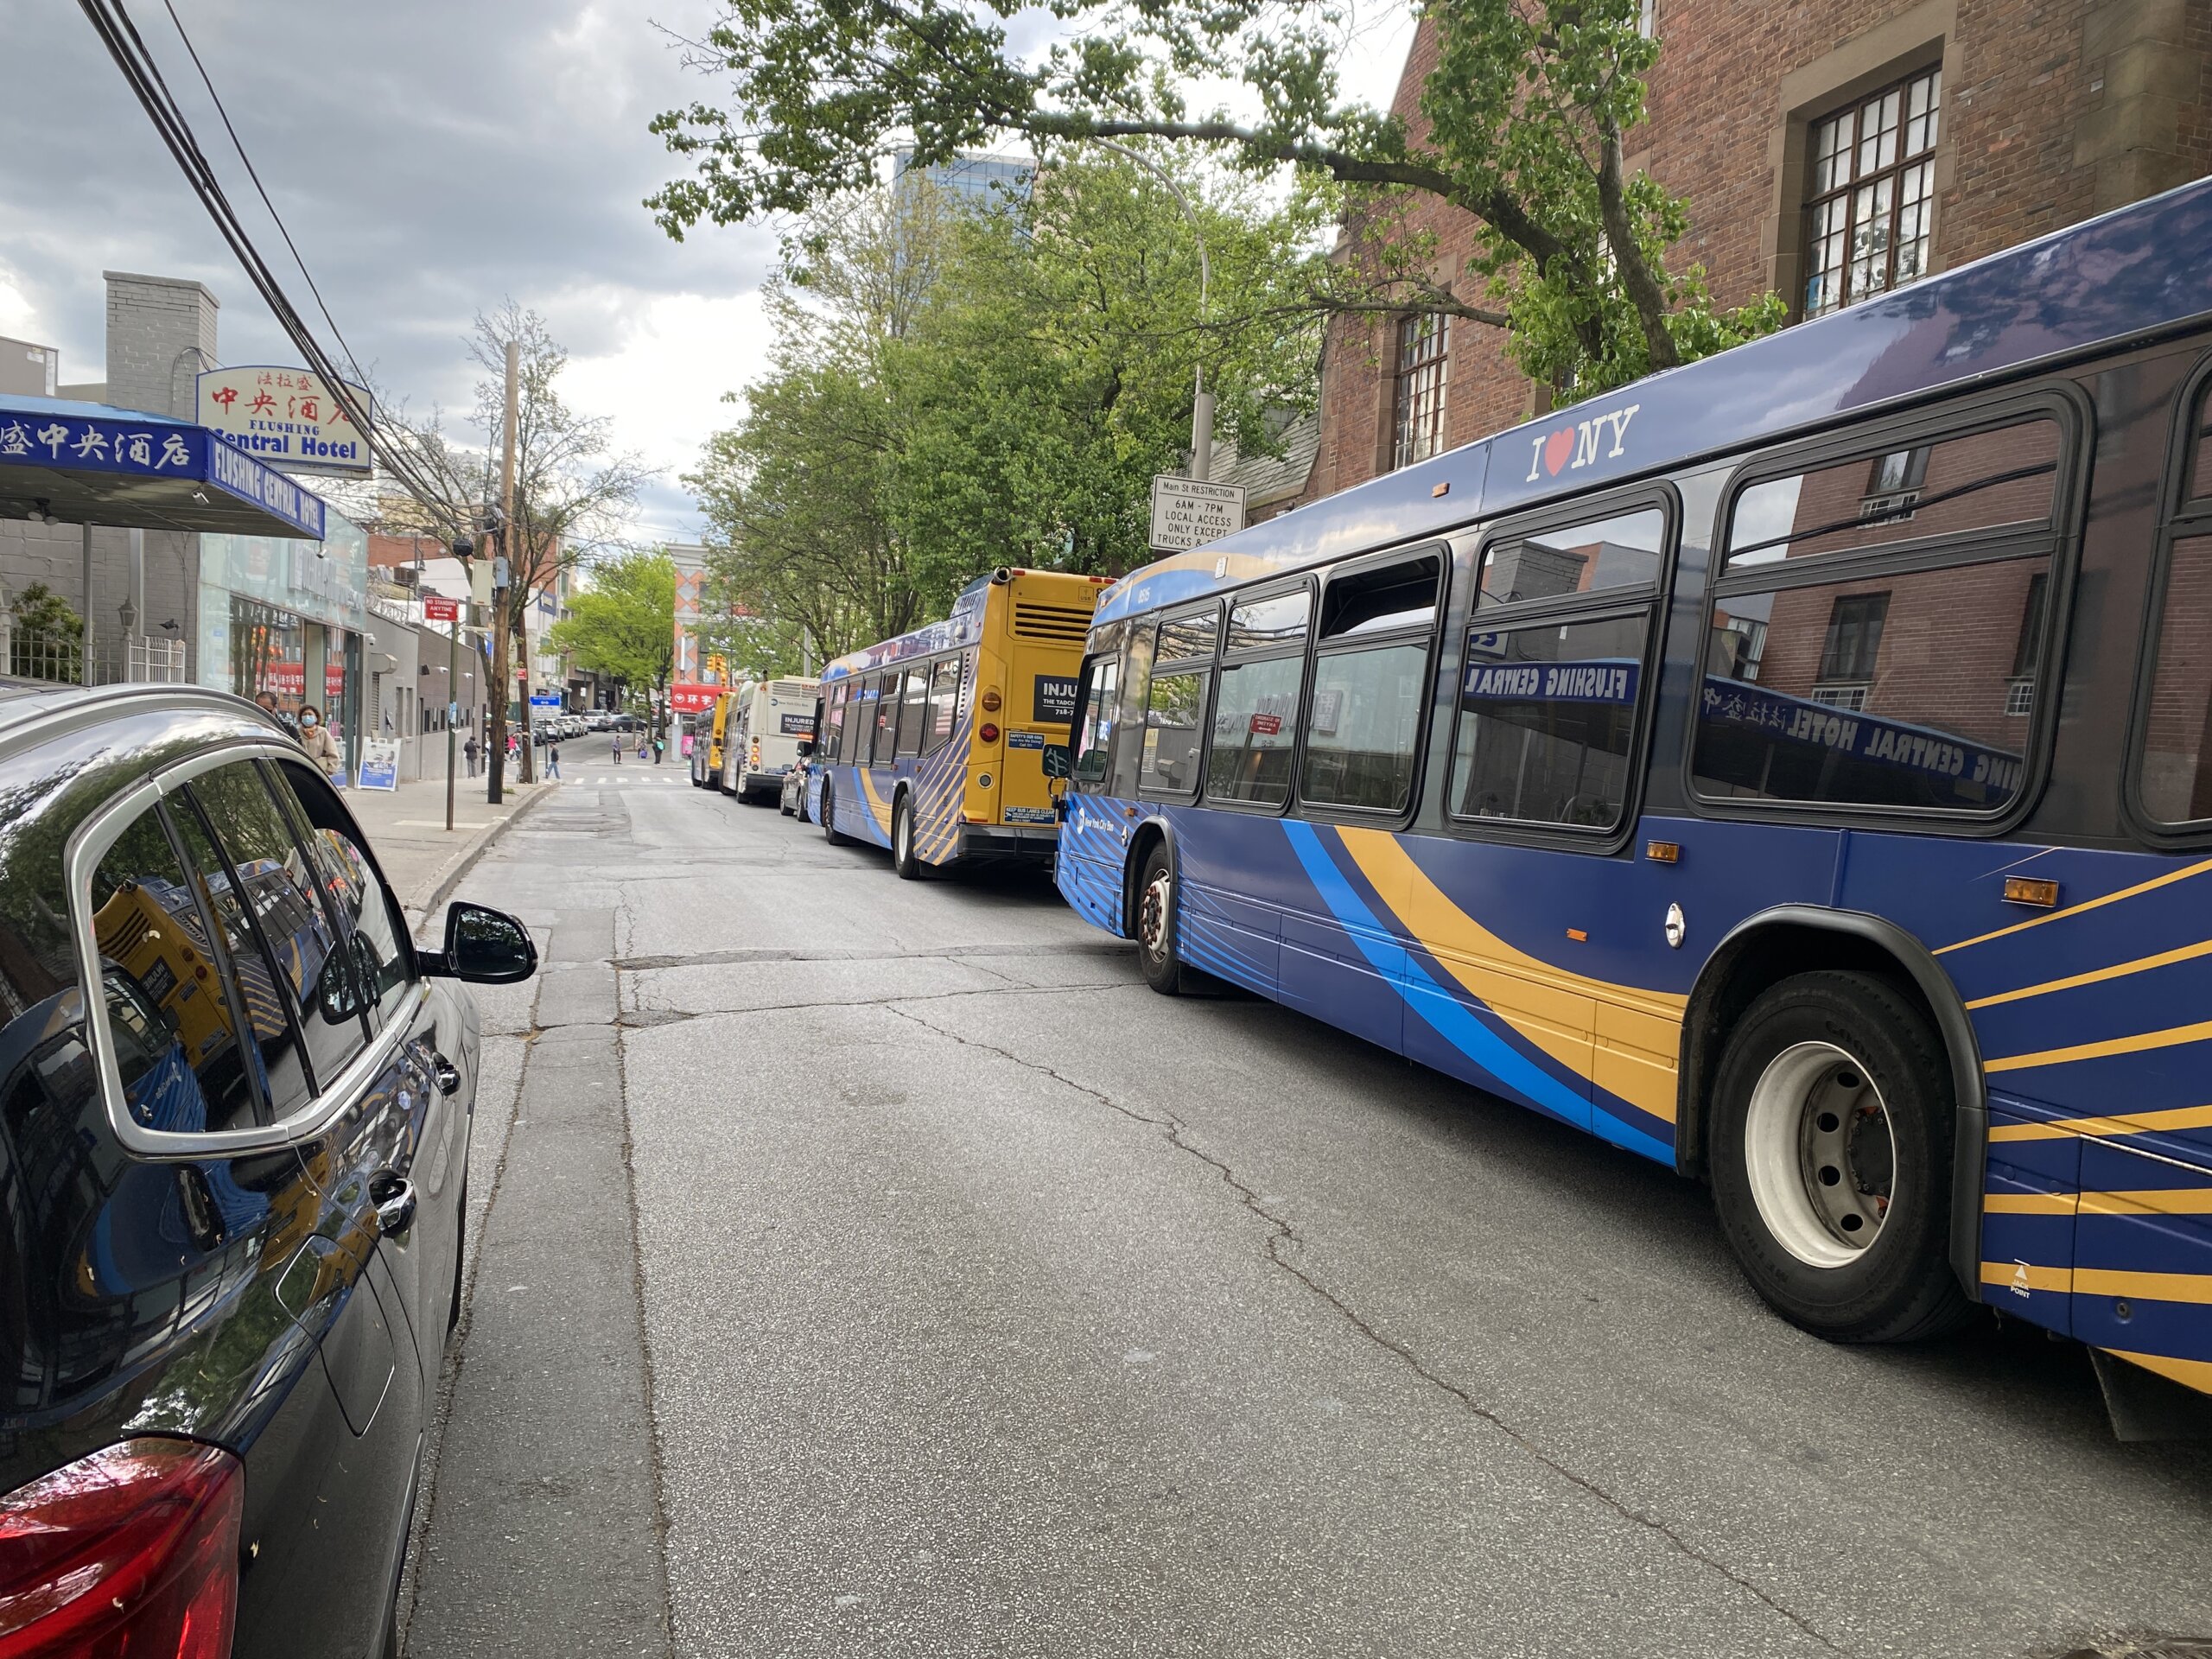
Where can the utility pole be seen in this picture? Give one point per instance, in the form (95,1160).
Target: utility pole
(462,550)
(502,576)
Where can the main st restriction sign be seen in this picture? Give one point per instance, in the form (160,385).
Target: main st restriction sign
(1186,514)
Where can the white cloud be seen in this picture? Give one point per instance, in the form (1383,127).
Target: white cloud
(432,159)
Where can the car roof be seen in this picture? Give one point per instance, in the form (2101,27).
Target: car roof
(30,710)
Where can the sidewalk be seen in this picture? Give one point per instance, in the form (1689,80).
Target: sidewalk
(407,827)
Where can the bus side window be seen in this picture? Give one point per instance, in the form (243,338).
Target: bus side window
(1554,676)
(1370,683)
(1255,710)
(2173,766)
(1094,720)
(1910,675)
(1175,703)
(1135,675)
(944,704)
(833,722)
(881,748)
(913,711)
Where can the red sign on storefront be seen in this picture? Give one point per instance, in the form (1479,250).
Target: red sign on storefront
(687,698)
(284,679)
(333,681)
(1267,725)
(437,609)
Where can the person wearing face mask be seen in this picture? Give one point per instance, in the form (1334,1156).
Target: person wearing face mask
(315,738)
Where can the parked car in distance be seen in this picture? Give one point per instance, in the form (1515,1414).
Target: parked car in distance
(792,802)
(236,1102)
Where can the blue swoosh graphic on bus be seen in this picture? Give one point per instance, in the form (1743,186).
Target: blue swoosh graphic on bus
(1445,1012)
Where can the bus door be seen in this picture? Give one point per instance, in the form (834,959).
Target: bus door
(1553,688)
(877,776)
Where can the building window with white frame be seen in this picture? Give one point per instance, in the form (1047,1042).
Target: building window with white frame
(1424,343)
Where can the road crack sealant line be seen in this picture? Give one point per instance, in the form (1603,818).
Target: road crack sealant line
(652,1017)
(1280,1233)
(638,1298)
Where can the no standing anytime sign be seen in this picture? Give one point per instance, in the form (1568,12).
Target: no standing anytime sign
(1186,514)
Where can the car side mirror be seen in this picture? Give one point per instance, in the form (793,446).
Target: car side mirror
(483,946)
(1056,760)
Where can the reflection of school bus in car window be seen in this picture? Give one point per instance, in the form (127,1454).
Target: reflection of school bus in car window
(163,987)
(933,743)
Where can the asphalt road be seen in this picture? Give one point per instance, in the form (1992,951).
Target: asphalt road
(898,1274)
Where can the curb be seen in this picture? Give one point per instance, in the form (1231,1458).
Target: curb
(465,860)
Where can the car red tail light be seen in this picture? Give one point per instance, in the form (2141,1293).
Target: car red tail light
(133,1550)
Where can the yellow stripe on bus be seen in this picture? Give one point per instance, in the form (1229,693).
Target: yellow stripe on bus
(2031,1275)
(2150,1286)
(2150,1201)
(2165,1119)
(1562,1012)
(2118,970)
(2028,1203)
(2172,1037)
(2085,906)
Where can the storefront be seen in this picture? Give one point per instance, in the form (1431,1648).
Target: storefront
(284,619)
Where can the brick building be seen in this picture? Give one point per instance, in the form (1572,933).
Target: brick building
(1980,123)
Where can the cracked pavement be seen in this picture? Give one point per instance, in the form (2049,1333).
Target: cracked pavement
(921,1283)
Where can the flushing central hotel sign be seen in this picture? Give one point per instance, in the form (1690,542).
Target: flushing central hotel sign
(286,417)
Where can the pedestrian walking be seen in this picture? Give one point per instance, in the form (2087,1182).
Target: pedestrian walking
(552,760)
(315,738)
(469,750)
(617,748)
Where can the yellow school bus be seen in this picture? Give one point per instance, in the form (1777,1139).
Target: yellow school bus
(932,744)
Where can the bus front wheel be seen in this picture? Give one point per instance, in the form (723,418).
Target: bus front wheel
(1163,970)
(1830,1158)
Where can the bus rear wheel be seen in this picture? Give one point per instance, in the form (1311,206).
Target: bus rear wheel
(1156,930)
(1831,1147)
(903,858)
(830,831)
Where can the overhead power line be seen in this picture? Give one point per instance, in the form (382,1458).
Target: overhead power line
(121,37)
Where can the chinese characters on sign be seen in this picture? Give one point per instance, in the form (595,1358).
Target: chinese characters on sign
(286,416)
(99,446)
(687,698)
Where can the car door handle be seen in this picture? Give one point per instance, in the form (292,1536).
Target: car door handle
(447,1073)
(393,1194)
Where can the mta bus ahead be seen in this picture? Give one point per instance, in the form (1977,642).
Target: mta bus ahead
(1795,768)
(933,744)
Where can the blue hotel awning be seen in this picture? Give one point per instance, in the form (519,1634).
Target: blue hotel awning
(89,464)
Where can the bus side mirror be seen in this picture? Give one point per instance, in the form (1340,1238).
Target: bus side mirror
(1056,759)
(805,748)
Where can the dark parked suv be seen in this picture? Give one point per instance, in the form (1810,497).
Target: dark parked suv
(234,1118)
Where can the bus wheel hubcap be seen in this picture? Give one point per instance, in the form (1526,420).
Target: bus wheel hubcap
(1820,1153)
(1151,917)
(906,835)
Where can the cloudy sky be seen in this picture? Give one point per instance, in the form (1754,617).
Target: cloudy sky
(431,158)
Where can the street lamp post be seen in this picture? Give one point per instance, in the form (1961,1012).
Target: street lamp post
(1202,400)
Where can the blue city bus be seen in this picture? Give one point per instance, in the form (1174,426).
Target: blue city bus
(1795,768)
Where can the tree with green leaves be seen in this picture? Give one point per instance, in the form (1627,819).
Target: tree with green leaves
(958,389)
(1524,124)
(623,624)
